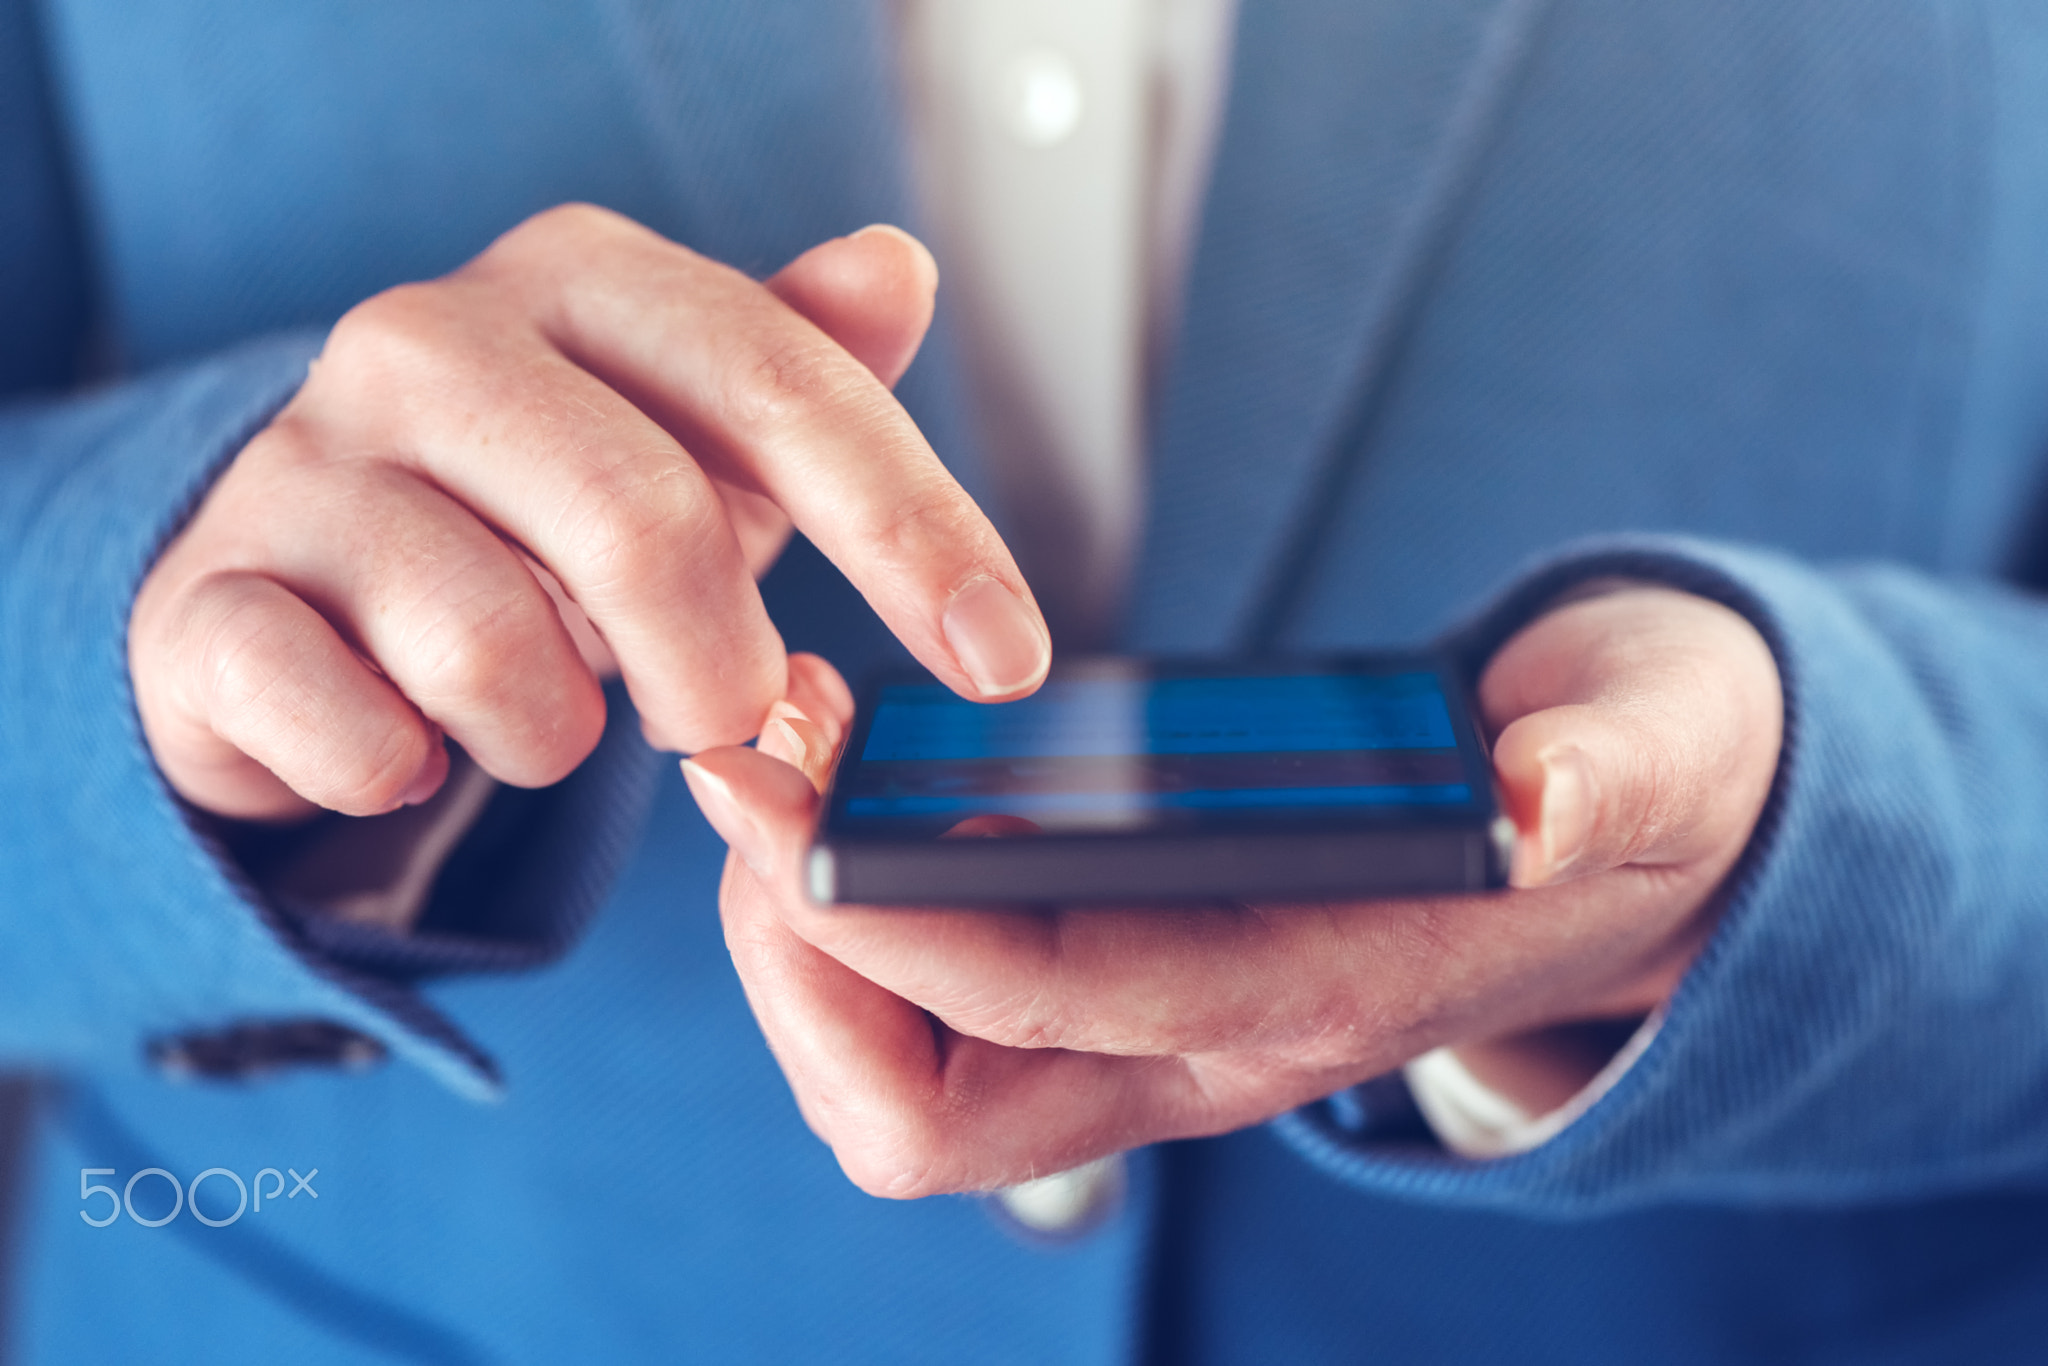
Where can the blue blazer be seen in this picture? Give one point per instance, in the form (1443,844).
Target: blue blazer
(1746,296)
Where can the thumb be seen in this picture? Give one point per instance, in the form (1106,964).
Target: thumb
(1591,789)
(872,292)
(1647,733)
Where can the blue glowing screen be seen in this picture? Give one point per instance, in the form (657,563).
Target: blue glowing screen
(1116,749)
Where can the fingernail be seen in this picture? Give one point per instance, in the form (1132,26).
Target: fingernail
(788,744)
(787,710)
(998,640)
(427,782)
(1567,809)
(891,230)
(722,808)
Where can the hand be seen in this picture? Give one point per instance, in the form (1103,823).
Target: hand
(585,413)
(938,1051)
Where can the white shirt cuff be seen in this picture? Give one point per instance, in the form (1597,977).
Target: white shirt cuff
(1474,1120)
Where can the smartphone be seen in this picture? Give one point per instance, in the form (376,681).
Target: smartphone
(1130,779)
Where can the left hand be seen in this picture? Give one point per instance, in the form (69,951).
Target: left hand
(940,1050)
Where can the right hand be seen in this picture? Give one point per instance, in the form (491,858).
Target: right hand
(592,401)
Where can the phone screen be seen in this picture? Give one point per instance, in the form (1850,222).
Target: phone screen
(1117,745)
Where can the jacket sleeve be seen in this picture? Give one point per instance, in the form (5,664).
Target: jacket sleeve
(1870,1019)
(121,920)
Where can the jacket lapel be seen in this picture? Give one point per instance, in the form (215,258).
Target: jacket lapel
(777,125)
(1352,132)
(773,120)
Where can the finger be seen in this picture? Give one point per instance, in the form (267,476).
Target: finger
(265,709)
(450,614)
(1223,1016)
(597,656)
(1645,730)
(872,292)
(1148,981)
(817,688)
(847,1047)
(799,742)
(761,528)
(805,729)
(770,402)
(911,1108)
(631,526)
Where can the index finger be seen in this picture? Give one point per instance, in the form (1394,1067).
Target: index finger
(766,400)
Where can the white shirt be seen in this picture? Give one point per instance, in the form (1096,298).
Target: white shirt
(1061,149)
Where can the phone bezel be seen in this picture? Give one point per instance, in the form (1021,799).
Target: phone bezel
(1418,847)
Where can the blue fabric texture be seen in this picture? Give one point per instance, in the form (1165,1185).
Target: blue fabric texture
(98,836)
(1808,994)
(1491,296)
(43,284)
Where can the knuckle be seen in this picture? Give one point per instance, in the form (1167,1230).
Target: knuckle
(548,241)
(1029,1004)
(1428,979)
(1029,1019)
(786,383)
(886,1140)
(471,652)
(579,264)
(645,545)
(1412,974)
(402,333)
(243,664)
(486,656)
(655,546)
(252,661)
(288,447)
(363,780)
(1331,1035)
(573,223)
(926,524)
(629,530)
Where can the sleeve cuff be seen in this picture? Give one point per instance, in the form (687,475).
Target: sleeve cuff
(1884,923)
(1475,1121)
(1607,1148)
(123,921)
